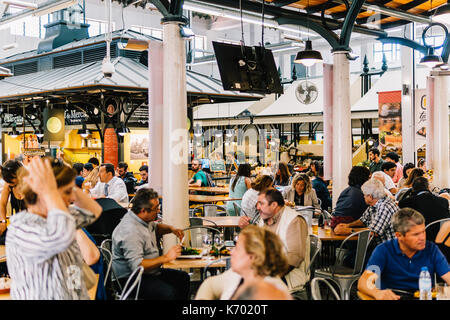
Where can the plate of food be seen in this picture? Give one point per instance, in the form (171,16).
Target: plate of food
(5,285)
(190,253)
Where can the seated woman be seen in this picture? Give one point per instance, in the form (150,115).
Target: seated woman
(250,197)
(10,192)
(350,204)
(406,190)
(283,176)
(239,184)
(301,193)
(43,256)
(407,168)
(258,256)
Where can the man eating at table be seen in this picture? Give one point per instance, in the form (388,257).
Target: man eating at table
(134,244)
(292,228)
(397,263)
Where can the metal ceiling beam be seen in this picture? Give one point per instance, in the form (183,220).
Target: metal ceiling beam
(295,17)
(340,15)
(394,12)
(349,23)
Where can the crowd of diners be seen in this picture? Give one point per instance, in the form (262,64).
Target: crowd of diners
(51,255)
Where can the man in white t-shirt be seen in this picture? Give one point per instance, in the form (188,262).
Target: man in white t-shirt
(386,181)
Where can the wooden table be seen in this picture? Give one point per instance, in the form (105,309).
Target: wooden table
(193,264)
(209,199)
(334,237)
(227,221)
(217,190)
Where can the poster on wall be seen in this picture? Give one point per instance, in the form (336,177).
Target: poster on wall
(421,118)
(139,147)
(390,121)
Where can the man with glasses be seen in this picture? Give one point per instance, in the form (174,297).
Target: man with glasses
(135,243)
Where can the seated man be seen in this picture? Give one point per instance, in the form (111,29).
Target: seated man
(126,176)
(397,263)
(388,168)
(199,179)
(143,170)
(292,228)
(110,186)
(134,244)
(377,216)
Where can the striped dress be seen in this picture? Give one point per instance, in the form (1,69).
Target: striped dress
(43,257)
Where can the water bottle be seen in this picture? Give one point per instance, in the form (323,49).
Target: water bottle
(425,284)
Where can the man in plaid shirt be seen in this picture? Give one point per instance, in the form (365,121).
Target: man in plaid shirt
(378,215)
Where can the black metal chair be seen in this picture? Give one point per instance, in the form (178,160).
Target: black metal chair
(343,276)
(316,292)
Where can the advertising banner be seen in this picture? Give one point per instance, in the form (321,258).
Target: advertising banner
(421,118)
(390,121)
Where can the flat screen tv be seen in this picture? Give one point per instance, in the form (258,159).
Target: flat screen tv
(247,69)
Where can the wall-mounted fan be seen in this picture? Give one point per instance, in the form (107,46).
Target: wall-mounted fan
(306,92)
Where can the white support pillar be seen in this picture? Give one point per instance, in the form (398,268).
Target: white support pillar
(175,136)
(408,101)
(438,125)
(328,121)
(155,115)
(342,143)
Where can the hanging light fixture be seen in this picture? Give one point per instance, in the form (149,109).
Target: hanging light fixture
(84,132)
(442,14)
(308,57)
(431,60)
(122,130)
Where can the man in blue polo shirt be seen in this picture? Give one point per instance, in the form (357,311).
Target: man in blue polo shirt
(396,264)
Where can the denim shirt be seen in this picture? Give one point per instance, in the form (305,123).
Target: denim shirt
(132,241)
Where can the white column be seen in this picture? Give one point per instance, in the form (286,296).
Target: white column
(175,144)
(328,121)
(155,115)
(342,143)
(408,107)
(439,125)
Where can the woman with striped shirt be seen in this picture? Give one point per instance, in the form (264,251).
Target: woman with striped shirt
(43,257)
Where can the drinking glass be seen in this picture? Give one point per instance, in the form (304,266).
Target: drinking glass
(442,291)
(327,227)
(315,225)
(207,241)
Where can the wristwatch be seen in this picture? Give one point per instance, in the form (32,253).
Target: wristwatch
(2,221)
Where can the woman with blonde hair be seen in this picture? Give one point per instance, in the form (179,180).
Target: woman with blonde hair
(259,255)
(301,193)
(91,178)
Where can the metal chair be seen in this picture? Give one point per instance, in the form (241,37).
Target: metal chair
(316,246)
(131,284)
(105,248)
(210,210)
(237,209)
(315,289)
(441,221)
(343,276)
